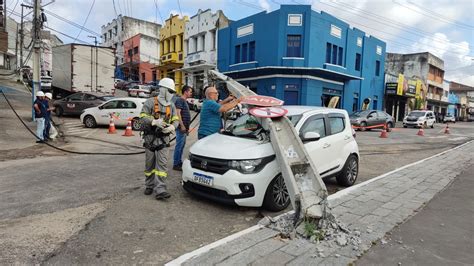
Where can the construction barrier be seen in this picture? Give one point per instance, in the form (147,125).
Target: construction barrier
(446,130)
(112,129)
(370,127)
(128,130)
(384,133)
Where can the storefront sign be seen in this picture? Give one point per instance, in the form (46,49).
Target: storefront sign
(411,90)
(391,87)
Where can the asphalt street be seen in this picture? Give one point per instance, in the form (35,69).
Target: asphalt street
(96,203)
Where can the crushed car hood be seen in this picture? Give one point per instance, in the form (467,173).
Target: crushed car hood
(232,148)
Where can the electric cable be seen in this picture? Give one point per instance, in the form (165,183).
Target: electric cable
(85,21)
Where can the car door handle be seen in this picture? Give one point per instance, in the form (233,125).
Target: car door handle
(326,145)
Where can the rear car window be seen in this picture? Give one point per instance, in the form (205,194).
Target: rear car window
(111,105)
(89,97)
(75,97)
(127,105)
(336,124)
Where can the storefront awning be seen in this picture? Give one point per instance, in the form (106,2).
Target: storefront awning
(291,71)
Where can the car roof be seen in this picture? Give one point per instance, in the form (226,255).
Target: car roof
(142,100)
(301,109)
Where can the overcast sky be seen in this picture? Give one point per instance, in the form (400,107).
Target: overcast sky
(442,27)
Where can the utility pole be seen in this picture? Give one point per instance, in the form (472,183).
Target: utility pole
(37,24)
(22,33)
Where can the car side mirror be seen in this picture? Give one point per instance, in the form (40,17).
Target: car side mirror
(310,136)
(101,107)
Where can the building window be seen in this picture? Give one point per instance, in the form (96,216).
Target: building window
(355,102)
(339,57)
(359,41)
(379,50)
(293,46)
(357,63)
(213,40)
(336,31)
(252,51)
(334,54)
(377,68)
(237,54)
(244,52)
(295,19)
(130,52)
(374,102)
(328,53)
(135,50)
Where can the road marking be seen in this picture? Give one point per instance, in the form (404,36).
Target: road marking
(187,256)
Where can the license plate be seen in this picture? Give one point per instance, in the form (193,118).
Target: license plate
(203,179)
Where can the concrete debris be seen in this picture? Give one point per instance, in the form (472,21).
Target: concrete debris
(337,255)
(412,251)
(357,233)
(127,233)
(421,240)
(383,241)
(341,240)
(442,224)
(400,242)
(138,251)
(369,231)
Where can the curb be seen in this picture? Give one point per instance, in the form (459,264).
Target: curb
(187,256)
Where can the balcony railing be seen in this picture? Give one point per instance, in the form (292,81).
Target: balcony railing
(169,58)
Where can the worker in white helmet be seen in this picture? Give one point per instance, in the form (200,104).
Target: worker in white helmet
(40,107)
(158,120)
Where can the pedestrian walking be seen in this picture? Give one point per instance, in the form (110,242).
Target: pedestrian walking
(182,109)
(211,110)
(158,120)
(47,118)
(40,111)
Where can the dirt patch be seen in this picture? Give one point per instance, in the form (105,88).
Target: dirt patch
(29,152)
(28,240)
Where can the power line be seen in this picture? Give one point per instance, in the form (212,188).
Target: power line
(85,21)
(179,6)
(115,9)
(157,9)
(14,7)
(120,8)
(71,23)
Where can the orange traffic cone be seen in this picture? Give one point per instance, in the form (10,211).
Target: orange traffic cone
(112,129)
(128,130)
(446,130)
(421,132)
(384,133)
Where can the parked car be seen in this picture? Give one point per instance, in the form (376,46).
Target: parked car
(194,104)
(419,118)
(123,109)
(237,167)
(449,118)
(142,91)
(75,103)
(372,118)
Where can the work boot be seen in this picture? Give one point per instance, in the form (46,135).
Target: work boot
(178,167)
(163,195)
(148,191)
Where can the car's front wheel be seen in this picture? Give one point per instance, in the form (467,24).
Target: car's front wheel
(89,121)
(349,172)
(277,197)
(136,125)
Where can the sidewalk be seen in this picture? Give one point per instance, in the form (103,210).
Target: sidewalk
(370,209)
(440,234)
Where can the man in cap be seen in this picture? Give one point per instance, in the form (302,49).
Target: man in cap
(40,112)
(158,120)
(47,118)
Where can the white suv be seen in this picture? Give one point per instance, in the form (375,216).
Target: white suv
(420,118)
(238,166)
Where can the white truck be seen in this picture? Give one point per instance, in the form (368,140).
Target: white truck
(83,68)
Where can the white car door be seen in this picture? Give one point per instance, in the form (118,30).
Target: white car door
(339,136)
(317,150)
(127,110)
(106,110)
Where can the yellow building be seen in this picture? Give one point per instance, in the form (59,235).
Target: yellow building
(172,50)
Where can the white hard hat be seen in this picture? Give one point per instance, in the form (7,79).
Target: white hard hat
(167,83)
(40,94)
(49,95)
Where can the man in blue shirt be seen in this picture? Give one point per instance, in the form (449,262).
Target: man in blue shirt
(211,112)
(182,109)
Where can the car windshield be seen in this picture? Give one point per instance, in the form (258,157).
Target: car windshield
(294,119)
(245,126)
(360,113)
(417,114)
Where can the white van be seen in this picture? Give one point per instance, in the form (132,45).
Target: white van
(419,118)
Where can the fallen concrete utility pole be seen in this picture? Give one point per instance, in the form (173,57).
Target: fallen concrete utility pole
(307,191)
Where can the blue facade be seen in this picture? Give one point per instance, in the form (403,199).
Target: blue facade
(303,57)
(453,101)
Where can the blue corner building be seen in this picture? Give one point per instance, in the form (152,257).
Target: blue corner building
(304,58)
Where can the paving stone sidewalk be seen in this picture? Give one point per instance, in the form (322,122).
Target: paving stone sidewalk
(373,209)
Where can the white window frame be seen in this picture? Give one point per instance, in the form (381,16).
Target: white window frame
(379,50)
(336,31)
(293,16)
(359,41)
(245,30)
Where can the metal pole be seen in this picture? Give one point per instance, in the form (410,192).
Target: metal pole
(21,37)
(36,54)
(92,71)
(96,64)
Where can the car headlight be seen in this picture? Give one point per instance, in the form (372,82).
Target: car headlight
(250,166)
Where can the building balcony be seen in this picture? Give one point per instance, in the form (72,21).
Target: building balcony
(435,83)
(292,61)
(208,57)
(173,57)
(432,96)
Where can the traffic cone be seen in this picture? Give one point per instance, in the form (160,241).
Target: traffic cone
(421,132)
(128,130)
(384,133)
(446,130)
(112,129)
